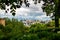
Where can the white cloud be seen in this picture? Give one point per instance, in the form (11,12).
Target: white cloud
(32,12)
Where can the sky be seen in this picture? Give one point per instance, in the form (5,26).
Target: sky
(34,12)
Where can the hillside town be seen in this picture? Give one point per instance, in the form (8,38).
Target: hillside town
(29,22)
(25,22)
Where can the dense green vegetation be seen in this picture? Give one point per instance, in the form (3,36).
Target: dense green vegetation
(16,30)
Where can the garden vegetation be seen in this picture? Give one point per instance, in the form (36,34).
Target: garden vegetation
(16,30)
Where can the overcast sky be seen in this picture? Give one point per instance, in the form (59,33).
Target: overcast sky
(33,12)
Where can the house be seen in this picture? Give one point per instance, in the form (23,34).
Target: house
(2,21)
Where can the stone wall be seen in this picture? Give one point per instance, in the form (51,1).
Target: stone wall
(2,21)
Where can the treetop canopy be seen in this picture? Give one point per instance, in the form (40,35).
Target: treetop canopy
(47,6)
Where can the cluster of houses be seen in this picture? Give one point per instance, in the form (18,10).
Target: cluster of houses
(29,22)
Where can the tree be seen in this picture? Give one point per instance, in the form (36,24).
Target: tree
(52,6)
(49,6)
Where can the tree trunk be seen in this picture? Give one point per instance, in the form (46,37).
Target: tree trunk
(56,21)
(56,13)
(56,16)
